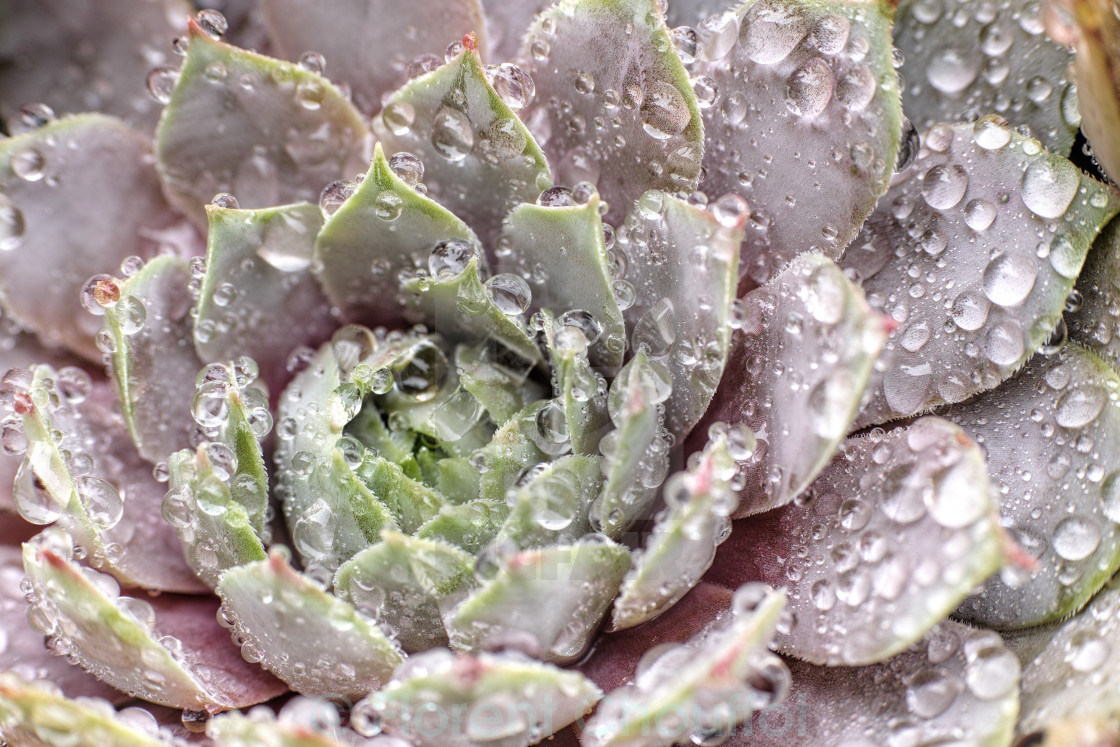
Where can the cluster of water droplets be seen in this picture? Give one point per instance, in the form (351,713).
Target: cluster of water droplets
(29,164)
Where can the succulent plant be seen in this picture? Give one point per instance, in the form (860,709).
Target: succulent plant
(629,371)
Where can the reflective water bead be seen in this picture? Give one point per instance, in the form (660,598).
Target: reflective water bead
(513,85)
(408,168)
(334,195)
(422,372)
(99,293)
(509,292)
(212,22)
(556,197)
(450,257)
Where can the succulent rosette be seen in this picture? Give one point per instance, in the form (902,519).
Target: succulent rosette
(460,373)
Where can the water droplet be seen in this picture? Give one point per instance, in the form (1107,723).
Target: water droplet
(422,372)
(313,62)
(991,132)
(1080,405)
(1110,496)
(334,195)
(970,310)
(1009,278)
(730,210)
(930,692)
(664,111)
(452,134)
(31,498)
(131,315)
(1003,345)
(1049,185)
(407,167)
(944,186)
(583,321)
(513,85)
(686,42)
(656,330)
(101,501)
(510,293)
(908,147)
(771,30)
(12,225)
(952,70)
(99,293)
(451,257)
(210,405)
(1076,537)
(29,164)
(809,88)
(398,117)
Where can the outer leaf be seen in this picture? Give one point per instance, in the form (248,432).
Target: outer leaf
(560,252)
(267,131)
(113,511)
(506,25)
(115,638)
(404,583)
(1097,290)
(1000,60)
(618,109)
(804,123)
(34,714)
(236,730)
(795,377)
(706,686)
(896,531)
(575,583)
(86,58)
(479,160)
(154,367)
(259,297)
(683,542)
(316,643)
(683,263)
(985,276)
(955,686)
(459,308)
(369,43)
(1055,421)
(76,197)
(385,228)
(1072,678)
(476,696)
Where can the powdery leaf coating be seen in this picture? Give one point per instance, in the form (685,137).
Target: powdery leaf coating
(1054,421)
(482,698)
(576,583)
(1089,311)
(82,470)
(259,297)
(560,252)
(972,252)
(479,160)
(77,196)
(615,106)
(267,131)
(82,58)
(897,531)
(152,363)
(369,43)
(960,63)
(168,650)
(1070,671)
(506,26)
(405,584)
(37,715)
(683,262)
(795,376)
(683,541)
(383,229)
(957,685)
(803,122)
(315,642)
(702,688)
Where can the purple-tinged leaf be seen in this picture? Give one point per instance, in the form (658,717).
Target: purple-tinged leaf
(369,44)
(506,26)
(267,131)
(1052,453)
(616,108)
(77,197)
(801,118)
(1088,307)
(973,252)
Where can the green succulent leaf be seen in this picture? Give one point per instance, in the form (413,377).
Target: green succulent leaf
(1070,672)
(899,529)
(578,387)
(704,687)
(237,730)
(216,531)
(163,649)
(269,132)
(576,583)
(979,63)
(814,78)
(383,229)
(484,698)
(496,377)
(117,522)
(479,160)
(151,366)
(684,264)
(369,44)
(994,230)
(560,251)
(79,59)
(77,196)
(515,447)
(1054,420)
(410,502)
(259,297)
(317,643)
(1092,323)
(595,61)
(812,323)
(461,308)
(684,538)
(36,715)
(635,453)
(551,507)
(957,685)
(405,583)
(469,526)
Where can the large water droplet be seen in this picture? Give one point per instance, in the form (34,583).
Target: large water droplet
(952,70)
(452,134)
(944,186)
(1080,405)
(422,372)
(450,257)
(1009,278)
(1076,537)
(809,88)
(1049,186)
(664,111)
(771,30)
